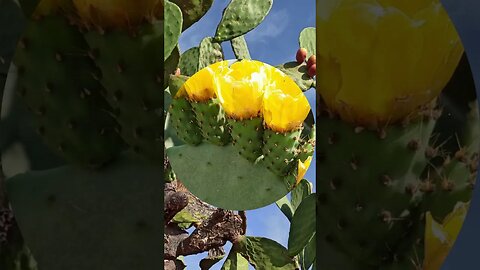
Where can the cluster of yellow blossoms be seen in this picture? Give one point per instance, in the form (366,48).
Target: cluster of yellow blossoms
(249,89)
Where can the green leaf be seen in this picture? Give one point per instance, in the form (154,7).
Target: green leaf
(303,226)
(218,175)
(298,72)
(265,254)
(240,17)
(307,40)
(240,48)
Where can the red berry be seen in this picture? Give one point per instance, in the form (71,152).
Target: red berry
(301,55)
(311,61)
(312,70)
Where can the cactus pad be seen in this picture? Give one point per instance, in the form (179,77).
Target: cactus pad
(189,61)
(173,27)
(219,176)
(73,219)
(240,17)
(298,72)
(240,48)
(280,150)
(366,201)
(56,83)
(248,137)
(132,69)
(212,121)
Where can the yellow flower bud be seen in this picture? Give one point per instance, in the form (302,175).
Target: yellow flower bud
(283,112)
(240,91)
(200,87)
(378,61)
(439,238)
(302,169)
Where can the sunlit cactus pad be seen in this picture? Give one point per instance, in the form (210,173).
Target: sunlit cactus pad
(246,134)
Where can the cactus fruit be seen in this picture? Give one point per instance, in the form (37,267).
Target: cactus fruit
(312,60)
(312,70)
(301,55)
(55,81)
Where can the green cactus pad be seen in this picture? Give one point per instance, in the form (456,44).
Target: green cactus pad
(218,175)
(209,53)
(285,206)
(77,220)
(265,254)
(454,181)
(183,120)
(171,65)
(173,27)
(247,136)
(300,192)
(369,189)
(235,261)
(212,121)
(280,149)
(303,224)
(298,72)
(56,83)
(189,61)
(175,83)
(309,255)
(240,17)
(240,48)
(133,74)
(193,11)
(307,40)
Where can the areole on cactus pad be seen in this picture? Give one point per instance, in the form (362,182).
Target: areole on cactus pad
(245,121)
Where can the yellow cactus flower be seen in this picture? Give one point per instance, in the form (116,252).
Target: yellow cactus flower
(439,238)
(302,169)
(240,91)
(283,112)
(118,13)
(378,61)
(200,87)
(279,80)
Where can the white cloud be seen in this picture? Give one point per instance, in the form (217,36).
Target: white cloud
(273,25)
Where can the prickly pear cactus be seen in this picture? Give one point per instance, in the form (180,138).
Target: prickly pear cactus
(382,189)
(227,127)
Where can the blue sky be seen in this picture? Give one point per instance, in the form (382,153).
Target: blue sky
(274,41)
